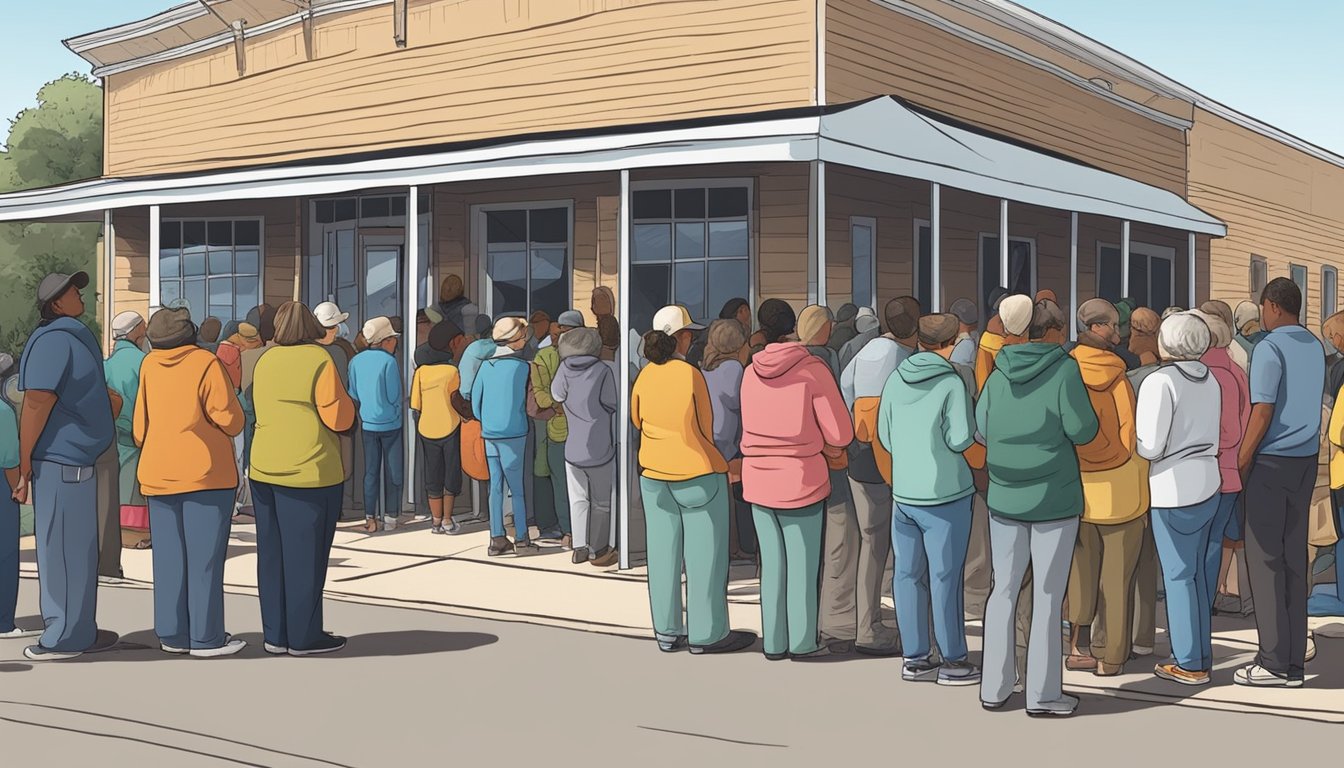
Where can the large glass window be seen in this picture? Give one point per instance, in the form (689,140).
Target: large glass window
(1151,275)
(691,246)
(527,259)
(212,267)
(1021,267)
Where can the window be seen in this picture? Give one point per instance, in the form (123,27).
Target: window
(527,257)
(1329,292)
(863,252)
(924,263)
(211,266)
(1299,275)
(1152,274)
(691,246)
(1259,277)
(1021,267)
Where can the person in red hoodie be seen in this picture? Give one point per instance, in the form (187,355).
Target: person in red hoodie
(793,418)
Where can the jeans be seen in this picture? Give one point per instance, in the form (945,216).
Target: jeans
(1278,515)
(295,528)
(790,542)
(1326,599)
(931,544)
(383,457)
(1222,521)
(590,495)
(65,519)
(9,558)
(505,460)
(1047,548)
(191,540)
(1182,538)
(687,529)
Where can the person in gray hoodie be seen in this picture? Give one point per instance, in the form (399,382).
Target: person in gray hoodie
(587,388)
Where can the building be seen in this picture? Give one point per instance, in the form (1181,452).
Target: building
(673,150)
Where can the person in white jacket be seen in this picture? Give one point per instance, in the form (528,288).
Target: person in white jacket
(1177,430)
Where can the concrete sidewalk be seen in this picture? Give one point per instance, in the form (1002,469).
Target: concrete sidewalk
(452,574)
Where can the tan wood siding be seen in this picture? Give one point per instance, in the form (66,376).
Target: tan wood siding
(872,50)
(470,72)
(130,278)
(1279,203)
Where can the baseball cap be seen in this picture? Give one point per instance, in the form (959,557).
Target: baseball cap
(54,284)
(124,323)
(378,330)
(329,315)
(570,318)
(674,318)
(508,329)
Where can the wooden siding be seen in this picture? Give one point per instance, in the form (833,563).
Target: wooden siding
(473,69)
(1279,203)
(872,50)
(130,277)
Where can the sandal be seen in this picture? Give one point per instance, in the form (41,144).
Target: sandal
(371,526)
(1080,663)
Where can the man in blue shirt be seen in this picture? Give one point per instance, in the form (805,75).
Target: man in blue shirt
(1278,460)
(375,383)
(499,401)
(66,424)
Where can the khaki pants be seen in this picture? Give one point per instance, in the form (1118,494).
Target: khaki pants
(1105,559)
(979,569)
(1145,597)
(857,544)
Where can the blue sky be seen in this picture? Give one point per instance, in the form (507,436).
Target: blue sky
(1277,60)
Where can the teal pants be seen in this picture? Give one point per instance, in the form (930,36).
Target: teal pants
(790,546)
(687,527)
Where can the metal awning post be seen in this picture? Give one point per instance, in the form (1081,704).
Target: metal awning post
(623,369)
(1124,260)
(408,326)
(935,248)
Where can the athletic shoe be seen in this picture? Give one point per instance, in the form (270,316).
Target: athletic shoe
(390,524)
(174,650)
(919,670)
(822,652)
(420,517)
(580,555)
(672,646)
(275,650)
(499,545)
(452,529)
(1257,676)
(1178,674)
(39,653)
(1065,706)
(231,646)
(329,644)
(956,673)
(18,632)
(731,643)
(1311,646)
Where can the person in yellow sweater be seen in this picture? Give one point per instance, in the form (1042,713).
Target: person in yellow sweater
(684,486)
(297,477)
(186,416)
(438,428)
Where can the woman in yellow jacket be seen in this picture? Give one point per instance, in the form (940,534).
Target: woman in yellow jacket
(684,486)
(186,416)
(1115,494)
(297,479)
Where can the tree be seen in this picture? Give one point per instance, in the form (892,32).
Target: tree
(58,141)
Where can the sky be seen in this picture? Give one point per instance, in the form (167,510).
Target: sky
(1277,60)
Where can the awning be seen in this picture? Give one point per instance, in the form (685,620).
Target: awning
(880,135)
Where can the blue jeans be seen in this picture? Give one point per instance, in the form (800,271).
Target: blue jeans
(1222,522)
(930,545)
(1182,537)
(504,458)
(1325,599)
(295,528)
(65,519)
(191,540)
(9,558)
(383,453)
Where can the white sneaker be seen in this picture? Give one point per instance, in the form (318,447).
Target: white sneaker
(1062,707)
(420,517)
(18,632)
(166,648)
(231,646)
(1257,676)
(390,524)
(1311,646)
(275,650)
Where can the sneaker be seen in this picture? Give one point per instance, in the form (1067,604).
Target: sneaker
(275,650)
(18,632)
(231,646)
(731,643)
(1064,706)
(1257,676)
(958,673)
(499,545)
(1177,674)
(580,555)
(104,640)
(607,559)
(1311,646)
(390,524)
(330,644)
(919,670)
(437,528)
(420,517)
(524,548)
(1227,605)
(881,651)
(39,653)
(551,534)
(1139,651)
(822,652)
(672,646)
(173,649)
(453,528)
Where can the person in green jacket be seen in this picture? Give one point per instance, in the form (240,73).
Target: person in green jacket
(925,420)
(551,454)
(1034,412)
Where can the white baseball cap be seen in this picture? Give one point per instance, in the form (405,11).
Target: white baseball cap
(329,315)
(674,318)
(378,330)
(124,323)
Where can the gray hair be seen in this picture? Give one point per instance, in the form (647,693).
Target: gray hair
(1183,336)
(580,342)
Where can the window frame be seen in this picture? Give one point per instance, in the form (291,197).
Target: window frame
(914,262)
(1147,250)
(871,223)
(1264,265)
(1333,283)
(261,257)
(1305,311)
(485,287)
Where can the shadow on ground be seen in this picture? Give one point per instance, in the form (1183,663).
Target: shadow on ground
(144,646)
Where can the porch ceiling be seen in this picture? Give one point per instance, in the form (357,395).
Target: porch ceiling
(881,135)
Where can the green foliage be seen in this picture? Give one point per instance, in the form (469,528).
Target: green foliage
(58,141)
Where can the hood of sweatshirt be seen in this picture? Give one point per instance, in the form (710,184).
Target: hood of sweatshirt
(923,367)
(579,363)
(778,359)
(1192,369)
(1023,362)
(1100,368)
(172,358)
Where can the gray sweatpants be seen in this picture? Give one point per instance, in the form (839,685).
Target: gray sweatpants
(1047,548)
(590,504)
(65,519)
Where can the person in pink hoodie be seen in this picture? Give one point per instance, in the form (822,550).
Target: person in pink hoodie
(793,417)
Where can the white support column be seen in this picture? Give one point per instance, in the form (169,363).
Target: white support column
(1124,260)
(935,249)
(816,233)
(154,247)
(412,299)
(1003,244)
(623,369)
(108,283)
(1190,273)
(1073,276)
